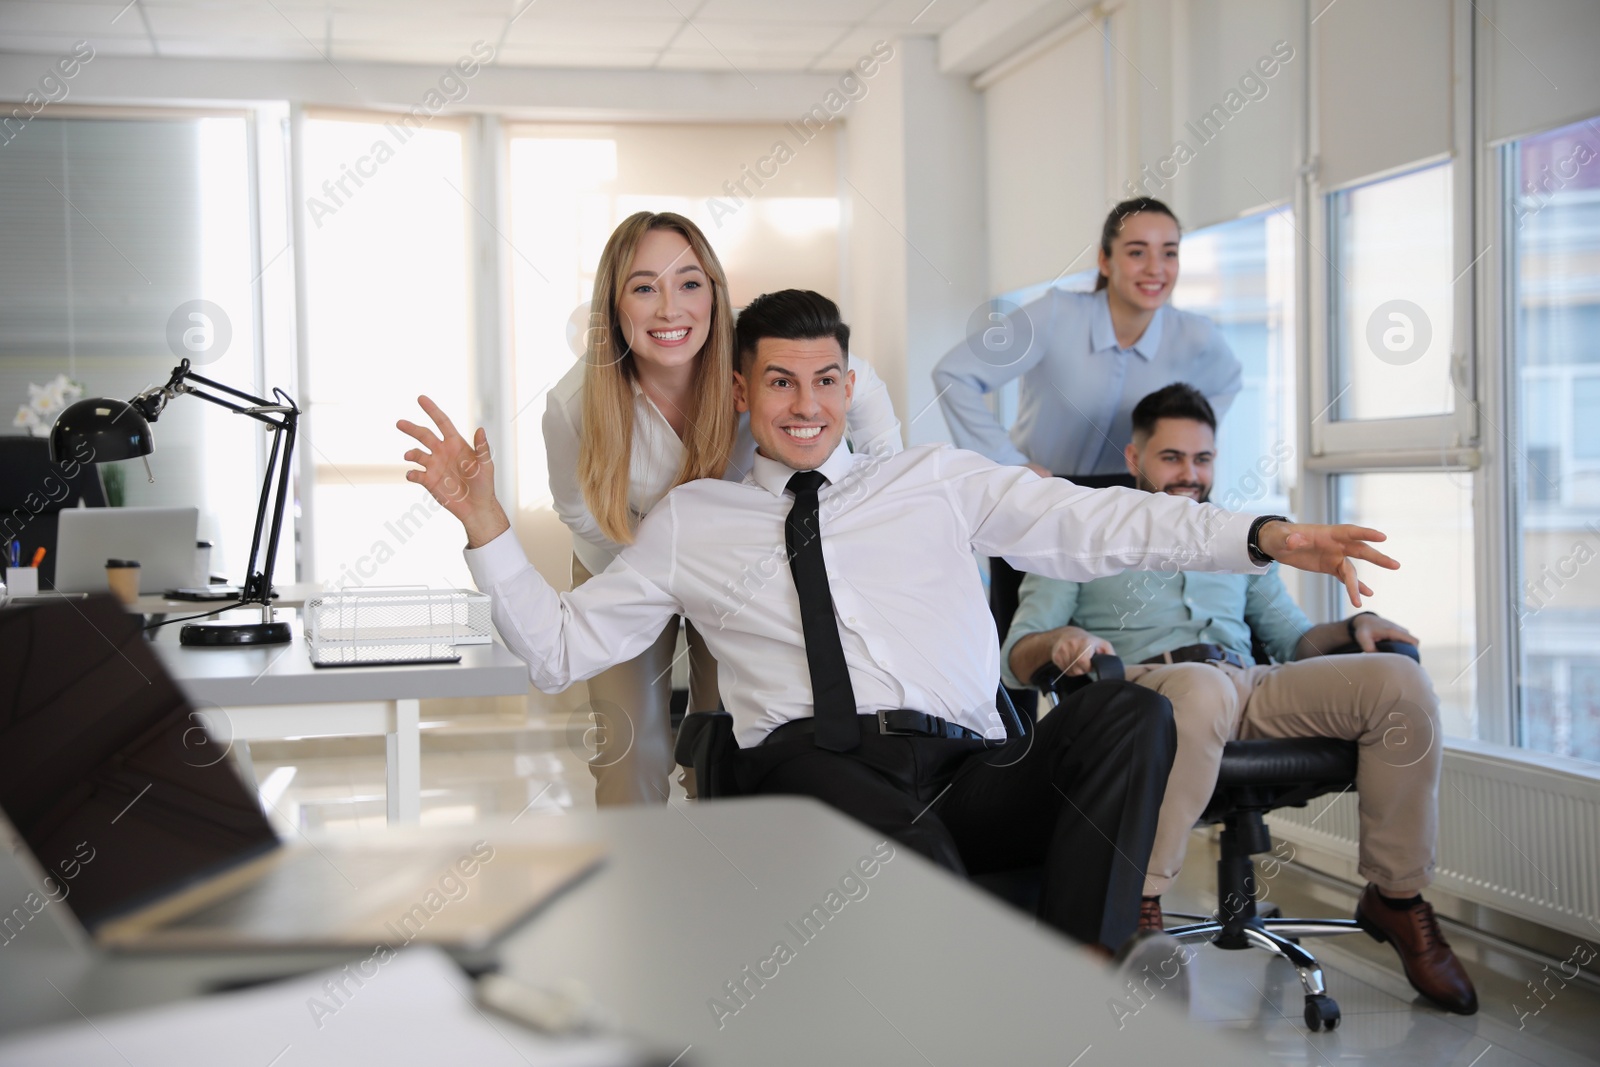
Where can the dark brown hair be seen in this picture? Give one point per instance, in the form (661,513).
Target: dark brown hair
(1180,400)
(1119,214)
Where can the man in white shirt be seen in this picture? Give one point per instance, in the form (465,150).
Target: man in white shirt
(860,666)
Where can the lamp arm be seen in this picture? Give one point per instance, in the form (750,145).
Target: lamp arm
(283,417)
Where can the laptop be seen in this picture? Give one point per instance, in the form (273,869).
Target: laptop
(140,828)
(161,539)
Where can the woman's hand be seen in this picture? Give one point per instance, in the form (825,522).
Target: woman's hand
(1326,550)
(458,475)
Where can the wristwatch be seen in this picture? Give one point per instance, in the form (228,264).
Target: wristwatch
(1253,542)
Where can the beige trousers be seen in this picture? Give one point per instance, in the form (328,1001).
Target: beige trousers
(1383,701)
(631,715)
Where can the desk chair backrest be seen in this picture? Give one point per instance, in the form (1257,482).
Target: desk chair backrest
(1005,581)
(33,491)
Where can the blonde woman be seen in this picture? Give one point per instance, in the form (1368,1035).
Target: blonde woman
(650,406)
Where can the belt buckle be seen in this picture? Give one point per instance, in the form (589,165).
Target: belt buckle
(883,723)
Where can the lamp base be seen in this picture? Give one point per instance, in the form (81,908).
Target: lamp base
(233,634)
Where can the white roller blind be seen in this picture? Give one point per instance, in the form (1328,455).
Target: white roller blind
(1045,131)
(1237,118)
(1542,67)
(1383,85)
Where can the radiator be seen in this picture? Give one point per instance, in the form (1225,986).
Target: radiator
(1518,837)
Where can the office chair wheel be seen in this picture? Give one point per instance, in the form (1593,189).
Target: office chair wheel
(1322,1012)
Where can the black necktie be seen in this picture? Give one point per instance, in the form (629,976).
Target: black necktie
(833,700)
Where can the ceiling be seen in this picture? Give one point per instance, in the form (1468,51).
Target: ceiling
(707,35)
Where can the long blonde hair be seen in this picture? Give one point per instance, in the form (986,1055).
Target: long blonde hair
(605,447)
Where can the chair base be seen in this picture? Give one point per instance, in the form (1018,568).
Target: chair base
(1276,936)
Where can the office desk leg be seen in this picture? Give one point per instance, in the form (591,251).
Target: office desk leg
(405,763)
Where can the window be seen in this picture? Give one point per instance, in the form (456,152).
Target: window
(1392,313)
(1240,275)
(388,285)
(1428,517)
(571,186)
(1553,223)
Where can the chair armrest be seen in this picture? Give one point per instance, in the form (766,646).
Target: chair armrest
(1102,668)
(1403,648)
(706,745)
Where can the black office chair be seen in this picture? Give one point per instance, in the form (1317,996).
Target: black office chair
(1256,777)
(34,492)
(1005,581)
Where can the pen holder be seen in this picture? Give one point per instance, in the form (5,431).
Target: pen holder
(122,575)
(22,581)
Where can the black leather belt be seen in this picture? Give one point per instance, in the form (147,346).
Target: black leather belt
(901,722)
(1202,653)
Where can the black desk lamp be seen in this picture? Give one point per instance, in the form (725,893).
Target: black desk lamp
(111,430)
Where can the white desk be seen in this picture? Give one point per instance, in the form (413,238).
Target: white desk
(273,692)
(921,969)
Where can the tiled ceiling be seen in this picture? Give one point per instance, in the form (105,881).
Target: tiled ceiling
(710,35)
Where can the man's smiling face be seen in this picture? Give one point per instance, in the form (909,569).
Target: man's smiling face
(797,394)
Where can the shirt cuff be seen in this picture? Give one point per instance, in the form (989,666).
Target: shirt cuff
(1231,546)
(497,562)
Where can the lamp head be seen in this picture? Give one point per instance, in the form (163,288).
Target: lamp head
(100,431)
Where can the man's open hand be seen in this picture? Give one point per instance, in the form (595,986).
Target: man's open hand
(1326,550)
(458,475)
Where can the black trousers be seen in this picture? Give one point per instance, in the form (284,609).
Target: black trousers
(1078,797)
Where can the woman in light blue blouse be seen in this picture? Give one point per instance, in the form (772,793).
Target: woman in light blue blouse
(1086,359)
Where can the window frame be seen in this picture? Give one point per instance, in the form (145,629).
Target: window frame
(1468,440)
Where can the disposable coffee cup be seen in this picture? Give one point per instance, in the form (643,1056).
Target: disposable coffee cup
(22,581)
(122,575)
(202,564)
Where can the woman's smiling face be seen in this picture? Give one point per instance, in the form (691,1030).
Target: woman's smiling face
(665,304)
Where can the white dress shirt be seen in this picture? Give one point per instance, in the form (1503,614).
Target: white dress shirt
(898,533)
(1079,387)
(658,452)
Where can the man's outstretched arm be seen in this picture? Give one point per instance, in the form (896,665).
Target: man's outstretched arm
(1051,527)
(565,638)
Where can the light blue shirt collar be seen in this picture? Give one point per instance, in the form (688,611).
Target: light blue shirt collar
(1103,335)
(774,476)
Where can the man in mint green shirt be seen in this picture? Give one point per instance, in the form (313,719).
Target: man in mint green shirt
(1188,637)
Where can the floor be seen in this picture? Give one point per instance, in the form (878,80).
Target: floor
(507,759)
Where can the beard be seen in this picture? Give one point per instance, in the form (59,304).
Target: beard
(1148,486)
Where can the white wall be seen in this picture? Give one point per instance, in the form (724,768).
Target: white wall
(916,224)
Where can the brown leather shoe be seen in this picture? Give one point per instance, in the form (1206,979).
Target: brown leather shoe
(1150,913)
(1430,966)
